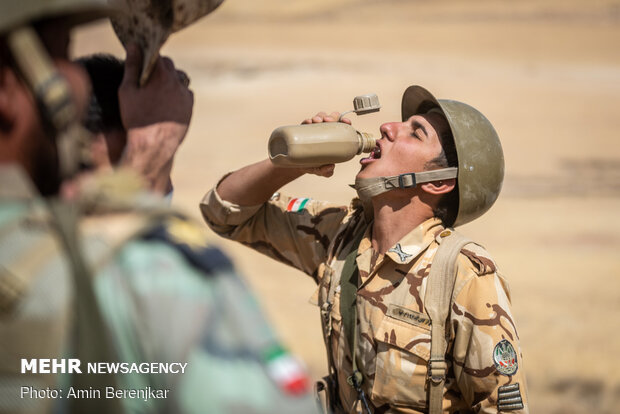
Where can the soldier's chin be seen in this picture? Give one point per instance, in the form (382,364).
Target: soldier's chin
(363,173)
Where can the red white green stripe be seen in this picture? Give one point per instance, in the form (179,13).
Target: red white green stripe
(297,204)
(286,371)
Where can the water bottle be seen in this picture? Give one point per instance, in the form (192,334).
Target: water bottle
(311,145)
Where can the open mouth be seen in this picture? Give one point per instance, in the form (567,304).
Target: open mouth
(374,155)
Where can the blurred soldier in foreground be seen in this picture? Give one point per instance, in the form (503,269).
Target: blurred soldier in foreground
(113,276)
(416,318)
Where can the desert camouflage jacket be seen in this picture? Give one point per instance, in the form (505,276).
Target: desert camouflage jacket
(485,370)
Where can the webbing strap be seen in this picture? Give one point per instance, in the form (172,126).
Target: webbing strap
(49,87)
(437,302)
(93,343)
(349,280)
(53,94)
(370,187)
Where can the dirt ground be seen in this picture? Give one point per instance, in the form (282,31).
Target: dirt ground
(545,72)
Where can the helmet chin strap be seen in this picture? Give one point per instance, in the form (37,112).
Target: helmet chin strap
(368,188)
(53,95)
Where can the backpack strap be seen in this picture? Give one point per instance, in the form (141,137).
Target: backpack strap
(17,271)
(437,301)
(93,343)
(349,281)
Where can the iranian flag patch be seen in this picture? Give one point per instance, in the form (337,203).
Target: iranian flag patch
(297,204)
(286,371)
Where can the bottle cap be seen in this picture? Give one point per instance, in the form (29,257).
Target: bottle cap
(365,104)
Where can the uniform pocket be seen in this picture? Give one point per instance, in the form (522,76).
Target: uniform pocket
(331,320)
(403,350)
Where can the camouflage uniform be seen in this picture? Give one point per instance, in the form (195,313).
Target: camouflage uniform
(393,328)
(163,295)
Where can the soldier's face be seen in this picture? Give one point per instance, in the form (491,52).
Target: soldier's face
(405,147)
(37,151)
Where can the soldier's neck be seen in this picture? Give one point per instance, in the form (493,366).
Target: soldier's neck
(394,218)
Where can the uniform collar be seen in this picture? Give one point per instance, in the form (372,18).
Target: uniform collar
(415,242)
(15,183)
(411,245)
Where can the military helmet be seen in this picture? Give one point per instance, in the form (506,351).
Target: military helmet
(16,13)
(479,152)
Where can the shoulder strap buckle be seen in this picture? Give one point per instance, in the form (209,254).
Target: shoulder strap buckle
(355,379)
(437,369)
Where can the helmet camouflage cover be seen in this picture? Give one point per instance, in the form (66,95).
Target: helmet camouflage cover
(149,23)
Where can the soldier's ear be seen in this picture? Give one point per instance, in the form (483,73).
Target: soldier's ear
(439,187)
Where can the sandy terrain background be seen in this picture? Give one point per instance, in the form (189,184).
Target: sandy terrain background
(545,72)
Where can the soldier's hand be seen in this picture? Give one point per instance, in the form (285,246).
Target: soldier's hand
(156,117)
(324,117)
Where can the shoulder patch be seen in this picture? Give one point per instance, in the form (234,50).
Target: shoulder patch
(509,398)
(297,205)
(185,232)
(505,358)
(480,258)
(190,241)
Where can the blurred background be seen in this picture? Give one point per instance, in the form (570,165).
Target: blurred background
(547,75)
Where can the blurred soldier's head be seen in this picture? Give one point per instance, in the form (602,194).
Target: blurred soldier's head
(103,117)
(42,94)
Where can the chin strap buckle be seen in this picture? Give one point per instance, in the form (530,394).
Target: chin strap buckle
(407,180)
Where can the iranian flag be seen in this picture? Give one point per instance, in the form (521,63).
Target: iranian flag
(287,371)
(297,204)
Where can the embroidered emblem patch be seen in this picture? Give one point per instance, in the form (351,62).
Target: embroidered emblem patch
(509,398)
(505,358)
(399,251)
(297,204)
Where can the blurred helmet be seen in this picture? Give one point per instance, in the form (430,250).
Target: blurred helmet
(479,152)
(149,23)
(15,13)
